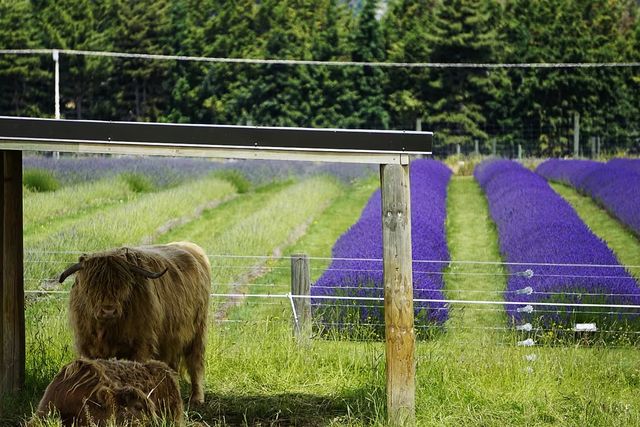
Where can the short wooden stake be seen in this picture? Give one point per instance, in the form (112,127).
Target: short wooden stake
(301,285)
(12,362)
(398,294)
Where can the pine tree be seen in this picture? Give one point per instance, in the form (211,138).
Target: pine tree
(547,99)
(71,24)
(406,29)
(188,18)
(25,80)
(464,31)
(225,92)
(141,86)
(369,82)
(332,90)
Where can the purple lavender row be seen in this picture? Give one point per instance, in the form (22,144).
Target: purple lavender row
(167,171)
(356,269)
(614,185)
(631,164)
(536,225)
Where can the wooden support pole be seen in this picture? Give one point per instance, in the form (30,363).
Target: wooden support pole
(3,388)
(398,294)
(301,285)
(12,291)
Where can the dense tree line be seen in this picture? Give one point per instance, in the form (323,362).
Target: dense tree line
(464,105)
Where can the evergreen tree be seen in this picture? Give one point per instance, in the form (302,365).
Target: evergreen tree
(26,81)
(464,31)
(141,86)
(370,82)
(71,24)
(225,92)
(188,18)
(333,93)
(547,99)
(406,28)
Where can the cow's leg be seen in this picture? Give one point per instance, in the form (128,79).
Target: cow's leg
(194,358)
(141,351)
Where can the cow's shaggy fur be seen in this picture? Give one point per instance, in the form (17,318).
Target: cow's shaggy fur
(115,311)
(93,392)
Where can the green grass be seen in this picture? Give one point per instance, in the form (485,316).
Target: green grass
(259,227)
(39,180)
(257,373)
(620,239)
(56,244)
(42,210)
(468,215)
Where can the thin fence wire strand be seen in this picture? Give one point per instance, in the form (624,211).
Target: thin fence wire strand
(379,260)
(149,56)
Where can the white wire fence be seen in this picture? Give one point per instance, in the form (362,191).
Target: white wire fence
(277,296)
(257,61)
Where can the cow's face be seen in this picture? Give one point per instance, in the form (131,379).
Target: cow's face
(132,404)
(126,405)
(106,285)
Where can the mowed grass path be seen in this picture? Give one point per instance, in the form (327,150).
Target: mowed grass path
(620,239)
(472,236)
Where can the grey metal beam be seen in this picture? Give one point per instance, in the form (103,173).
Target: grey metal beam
(347,145)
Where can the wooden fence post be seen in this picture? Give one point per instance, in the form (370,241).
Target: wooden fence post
(301,285)
(12,291)
(398,294)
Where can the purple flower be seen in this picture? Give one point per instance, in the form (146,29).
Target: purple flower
(356,268)
(614,185)
(631,164)
(572,265)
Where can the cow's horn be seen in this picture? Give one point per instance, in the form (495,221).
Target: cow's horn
(69,271)
(146,273)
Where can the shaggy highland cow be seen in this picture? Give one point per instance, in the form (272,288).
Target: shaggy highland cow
(94,392)
(143,303)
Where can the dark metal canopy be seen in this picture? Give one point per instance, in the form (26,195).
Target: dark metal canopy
(369,146)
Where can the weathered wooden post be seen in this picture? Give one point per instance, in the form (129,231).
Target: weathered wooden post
(301,285)
(12,334)
(398,294)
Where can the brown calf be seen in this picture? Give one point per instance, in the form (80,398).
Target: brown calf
(87,392)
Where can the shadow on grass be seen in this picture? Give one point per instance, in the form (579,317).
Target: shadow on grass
(288,409)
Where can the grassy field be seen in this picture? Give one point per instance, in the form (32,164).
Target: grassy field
(257,373)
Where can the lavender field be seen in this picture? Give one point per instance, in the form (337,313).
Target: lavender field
(356,269)
(167,171)
(615,185)
(553,256)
